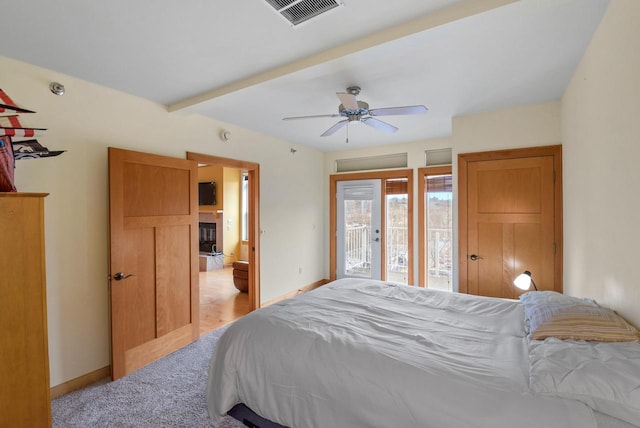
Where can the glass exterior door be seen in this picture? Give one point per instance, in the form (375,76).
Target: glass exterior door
(358,227)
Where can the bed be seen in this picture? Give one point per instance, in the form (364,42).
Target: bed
(362,353)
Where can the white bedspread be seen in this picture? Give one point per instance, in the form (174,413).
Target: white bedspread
(359,353)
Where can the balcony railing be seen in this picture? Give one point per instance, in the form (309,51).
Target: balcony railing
(397,249)
(358,251)
(439,258)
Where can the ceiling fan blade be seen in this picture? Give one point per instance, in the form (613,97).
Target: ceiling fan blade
(348,100)
(379,125)
(334,128)
(310,117)
(390,111)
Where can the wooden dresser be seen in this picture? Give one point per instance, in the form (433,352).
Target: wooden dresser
(24,359)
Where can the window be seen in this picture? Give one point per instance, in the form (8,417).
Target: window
(397,230)
(436,225)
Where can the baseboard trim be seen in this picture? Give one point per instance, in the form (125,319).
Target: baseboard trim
(80,382)
(105,372)
(296,292)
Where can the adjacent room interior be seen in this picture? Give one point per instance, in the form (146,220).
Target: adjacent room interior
(223,242)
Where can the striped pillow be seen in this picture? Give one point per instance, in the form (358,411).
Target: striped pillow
(580,322)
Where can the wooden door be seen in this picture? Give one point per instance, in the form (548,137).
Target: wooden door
(510,220)
(153,257)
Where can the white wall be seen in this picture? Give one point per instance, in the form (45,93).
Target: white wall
(415,159)
(88,119)
(528,126)
(601,134)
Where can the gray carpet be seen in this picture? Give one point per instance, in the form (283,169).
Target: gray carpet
(167,393)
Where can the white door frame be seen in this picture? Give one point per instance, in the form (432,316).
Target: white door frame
(360,190)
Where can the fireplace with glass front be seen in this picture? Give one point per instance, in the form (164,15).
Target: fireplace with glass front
(210,240)
(207,237)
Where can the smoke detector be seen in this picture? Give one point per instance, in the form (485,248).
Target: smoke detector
(225,135)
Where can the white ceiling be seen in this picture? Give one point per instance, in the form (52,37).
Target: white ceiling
(240,62)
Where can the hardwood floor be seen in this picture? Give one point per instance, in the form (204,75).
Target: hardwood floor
(220,302)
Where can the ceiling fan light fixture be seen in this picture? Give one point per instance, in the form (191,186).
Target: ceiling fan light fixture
(358,111)
(354,115)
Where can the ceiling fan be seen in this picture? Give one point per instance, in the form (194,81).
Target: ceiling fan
(358,111)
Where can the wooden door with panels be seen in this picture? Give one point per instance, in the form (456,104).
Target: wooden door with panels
(153,257)
(510,220)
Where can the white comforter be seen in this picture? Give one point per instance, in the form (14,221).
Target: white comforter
(359,353)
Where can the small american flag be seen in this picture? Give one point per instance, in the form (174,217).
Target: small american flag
(7,104)
(12,127)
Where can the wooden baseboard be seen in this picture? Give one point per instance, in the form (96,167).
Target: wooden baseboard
(296,292)
(81,382)
(105,372)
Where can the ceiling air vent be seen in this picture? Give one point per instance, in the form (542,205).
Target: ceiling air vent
(299,11)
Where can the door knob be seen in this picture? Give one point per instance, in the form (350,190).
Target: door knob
(376,239)
(120,276)
(474,257)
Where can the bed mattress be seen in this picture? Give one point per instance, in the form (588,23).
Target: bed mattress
(370,354)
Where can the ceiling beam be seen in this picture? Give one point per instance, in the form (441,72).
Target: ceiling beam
(459,11)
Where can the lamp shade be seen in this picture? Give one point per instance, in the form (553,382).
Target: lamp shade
(524,281)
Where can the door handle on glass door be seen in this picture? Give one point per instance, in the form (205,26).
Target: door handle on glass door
(376,239)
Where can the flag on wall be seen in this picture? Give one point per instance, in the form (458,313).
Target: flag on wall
(31,149)
(7,104)
(12,127)
(10,151)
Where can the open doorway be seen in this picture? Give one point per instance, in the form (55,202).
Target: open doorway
(229,234)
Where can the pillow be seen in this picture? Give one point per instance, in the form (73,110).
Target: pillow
(578,322)
(605,376)
(545,297)
(531,299)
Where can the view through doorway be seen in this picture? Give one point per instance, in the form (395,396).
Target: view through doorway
(232,220)
(220,301)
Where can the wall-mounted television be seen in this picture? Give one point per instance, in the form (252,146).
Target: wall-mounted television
(207,193)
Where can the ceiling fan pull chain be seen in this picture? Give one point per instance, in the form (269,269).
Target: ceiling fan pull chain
(347,132)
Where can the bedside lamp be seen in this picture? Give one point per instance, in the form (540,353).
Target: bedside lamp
(524,281)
